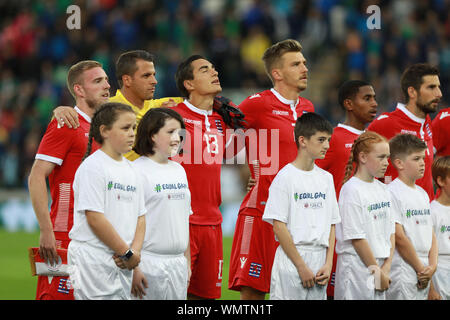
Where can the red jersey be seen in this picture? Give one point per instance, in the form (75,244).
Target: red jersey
(441,133)
(270,143)
(338,154)
(401,121)
(202,158)
(64,147)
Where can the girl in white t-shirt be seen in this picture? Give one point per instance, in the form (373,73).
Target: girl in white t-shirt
(109,210)
(365,236)
(165,267)
(440,215)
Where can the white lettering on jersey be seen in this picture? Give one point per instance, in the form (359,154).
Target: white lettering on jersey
(195,122)
(256,95)
(280,112)
(409,132)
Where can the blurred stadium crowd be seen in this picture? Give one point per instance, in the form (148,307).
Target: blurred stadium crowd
(36,50)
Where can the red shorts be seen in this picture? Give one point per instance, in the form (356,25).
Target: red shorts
(58,288)
(252,253)
(206,261)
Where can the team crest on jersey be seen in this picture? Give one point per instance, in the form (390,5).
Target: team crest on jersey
(64,286)
(255,270)
(219,126)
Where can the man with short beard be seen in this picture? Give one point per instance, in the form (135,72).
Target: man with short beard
(422,91)
(58,157)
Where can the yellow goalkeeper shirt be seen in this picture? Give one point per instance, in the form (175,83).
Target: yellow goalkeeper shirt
(148,104)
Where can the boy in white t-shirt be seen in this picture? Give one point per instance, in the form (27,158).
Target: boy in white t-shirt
(303,209)
(415,256)
(440,215)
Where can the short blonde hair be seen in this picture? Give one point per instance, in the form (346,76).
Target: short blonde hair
(76,71)
(273,54)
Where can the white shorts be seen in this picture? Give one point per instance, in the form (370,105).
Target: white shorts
(354,281)
(167,276)
(404,281)
(441,278)
(285,282)
(95,276)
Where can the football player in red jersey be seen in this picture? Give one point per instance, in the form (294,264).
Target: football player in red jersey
(203,152)
(441,133)
(422,91)
(58,157)
(357,98)
(270,115)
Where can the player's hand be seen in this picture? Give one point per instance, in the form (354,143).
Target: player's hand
(119,262)
(169,103)
(434,295)
(424,276)
(189,275)
(307,276)
(323,275)
(47,248)
(133,262)
(65,115)
(139,283)
(385,281)
(250,184)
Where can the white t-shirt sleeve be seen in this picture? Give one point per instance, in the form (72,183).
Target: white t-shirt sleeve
(396,209)
(91,189)
(277,206)
(141,199)
(334,207)
(353,224)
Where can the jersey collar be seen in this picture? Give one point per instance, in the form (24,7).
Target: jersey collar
(283,99)
(351,129)
(84,115)
(292,103)
(204,113)
(410,115)
(197,110)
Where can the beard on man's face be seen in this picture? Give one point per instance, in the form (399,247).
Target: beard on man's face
(429,107)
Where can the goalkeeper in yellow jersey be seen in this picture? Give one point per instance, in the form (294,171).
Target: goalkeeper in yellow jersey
(135,72)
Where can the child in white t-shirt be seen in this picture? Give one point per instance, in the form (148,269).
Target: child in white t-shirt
(109,210)
(303,209)
(440,215)
(365,236)
(415,257)
(164,270)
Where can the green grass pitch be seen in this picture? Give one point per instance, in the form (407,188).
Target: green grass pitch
(15,275)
